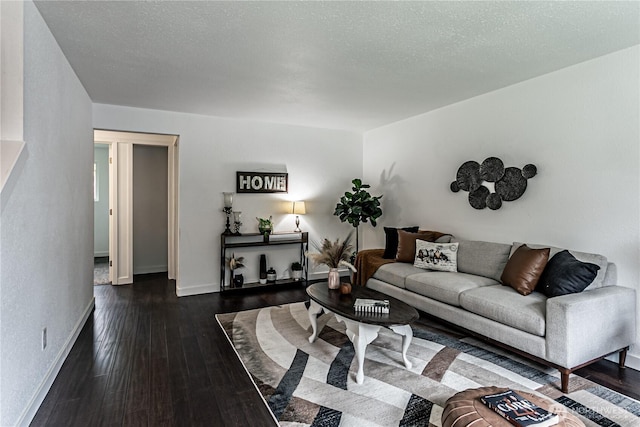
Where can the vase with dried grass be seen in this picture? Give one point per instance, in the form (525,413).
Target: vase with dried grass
(333,255)
(234,264)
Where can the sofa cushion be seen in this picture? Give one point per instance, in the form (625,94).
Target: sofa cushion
(444,286)
(599,260)
(407,243)
(485,259)
(396,273)
(524,268)
(436,256)
(391,240)
(504,305)
(446,238)
(564,274)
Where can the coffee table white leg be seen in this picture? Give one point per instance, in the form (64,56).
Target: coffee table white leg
(407,336)
(360,335)
(314,310)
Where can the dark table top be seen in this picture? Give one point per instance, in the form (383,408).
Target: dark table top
(400,313)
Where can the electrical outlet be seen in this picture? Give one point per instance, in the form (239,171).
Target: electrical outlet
(44,338)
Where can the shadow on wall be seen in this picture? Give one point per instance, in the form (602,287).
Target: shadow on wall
(391,186)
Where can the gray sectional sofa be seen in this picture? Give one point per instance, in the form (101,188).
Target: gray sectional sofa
(565,332)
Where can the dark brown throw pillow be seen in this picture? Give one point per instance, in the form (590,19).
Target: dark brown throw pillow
(407,243)
(524,268)
(391,240)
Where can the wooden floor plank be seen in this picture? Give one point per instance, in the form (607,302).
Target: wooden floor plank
(160,402)
(139,418)
(147,357)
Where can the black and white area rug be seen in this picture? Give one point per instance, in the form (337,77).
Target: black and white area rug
(313,384)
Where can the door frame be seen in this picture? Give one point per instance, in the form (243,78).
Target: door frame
(121,200)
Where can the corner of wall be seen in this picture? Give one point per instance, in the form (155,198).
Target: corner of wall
(34,404)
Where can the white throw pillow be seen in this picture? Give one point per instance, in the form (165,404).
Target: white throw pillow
(436,256)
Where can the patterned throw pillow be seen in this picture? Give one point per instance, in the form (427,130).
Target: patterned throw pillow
(436,256)
(407,243)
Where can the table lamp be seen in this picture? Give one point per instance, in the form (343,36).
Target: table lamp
(297,209)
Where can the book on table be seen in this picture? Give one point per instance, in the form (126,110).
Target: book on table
(518,410)
(366,306)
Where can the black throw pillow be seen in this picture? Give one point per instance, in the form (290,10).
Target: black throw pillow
(564,274)
(391,240)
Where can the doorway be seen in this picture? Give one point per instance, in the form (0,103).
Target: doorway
(150,213)
(131,191)
(101,214)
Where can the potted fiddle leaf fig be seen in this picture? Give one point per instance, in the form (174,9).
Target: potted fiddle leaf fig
(358,206)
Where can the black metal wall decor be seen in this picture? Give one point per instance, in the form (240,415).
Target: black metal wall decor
(510,183)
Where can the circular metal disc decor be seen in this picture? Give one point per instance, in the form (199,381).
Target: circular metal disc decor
(512,185)
(468,176)
(494,201)
(529,171)
(492,169)
(478,197)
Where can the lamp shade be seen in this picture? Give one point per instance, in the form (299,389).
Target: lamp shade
(299,208)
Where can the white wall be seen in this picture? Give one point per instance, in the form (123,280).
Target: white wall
(101,207)
(321,164)
(46,244)
(579,126)
(150,209)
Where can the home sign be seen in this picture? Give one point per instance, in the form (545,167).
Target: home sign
(262,182)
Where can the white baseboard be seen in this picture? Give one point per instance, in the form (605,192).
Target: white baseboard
(633,361)
(147,269)
(37,399)
(320,275)
(206,288)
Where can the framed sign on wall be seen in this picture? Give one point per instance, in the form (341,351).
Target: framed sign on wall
(262,182)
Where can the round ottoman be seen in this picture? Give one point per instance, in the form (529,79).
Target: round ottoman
(465,409)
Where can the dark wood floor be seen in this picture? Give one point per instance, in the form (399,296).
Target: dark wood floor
(148,358)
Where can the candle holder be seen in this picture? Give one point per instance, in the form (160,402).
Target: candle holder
(237,223)
(227,209)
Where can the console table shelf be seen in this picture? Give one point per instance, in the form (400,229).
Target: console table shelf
(253,240)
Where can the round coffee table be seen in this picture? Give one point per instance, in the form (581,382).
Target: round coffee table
(465,409)
(362,328)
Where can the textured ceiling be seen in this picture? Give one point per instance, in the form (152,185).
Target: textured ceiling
(345,65)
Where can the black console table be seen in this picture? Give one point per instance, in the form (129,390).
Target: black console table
(250,240)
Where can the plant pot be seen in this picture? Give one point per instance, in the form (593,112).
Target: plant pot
(296,274)
(333,279)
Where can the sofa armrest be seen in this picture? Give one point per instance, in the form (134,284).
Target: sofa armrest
(585,326)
